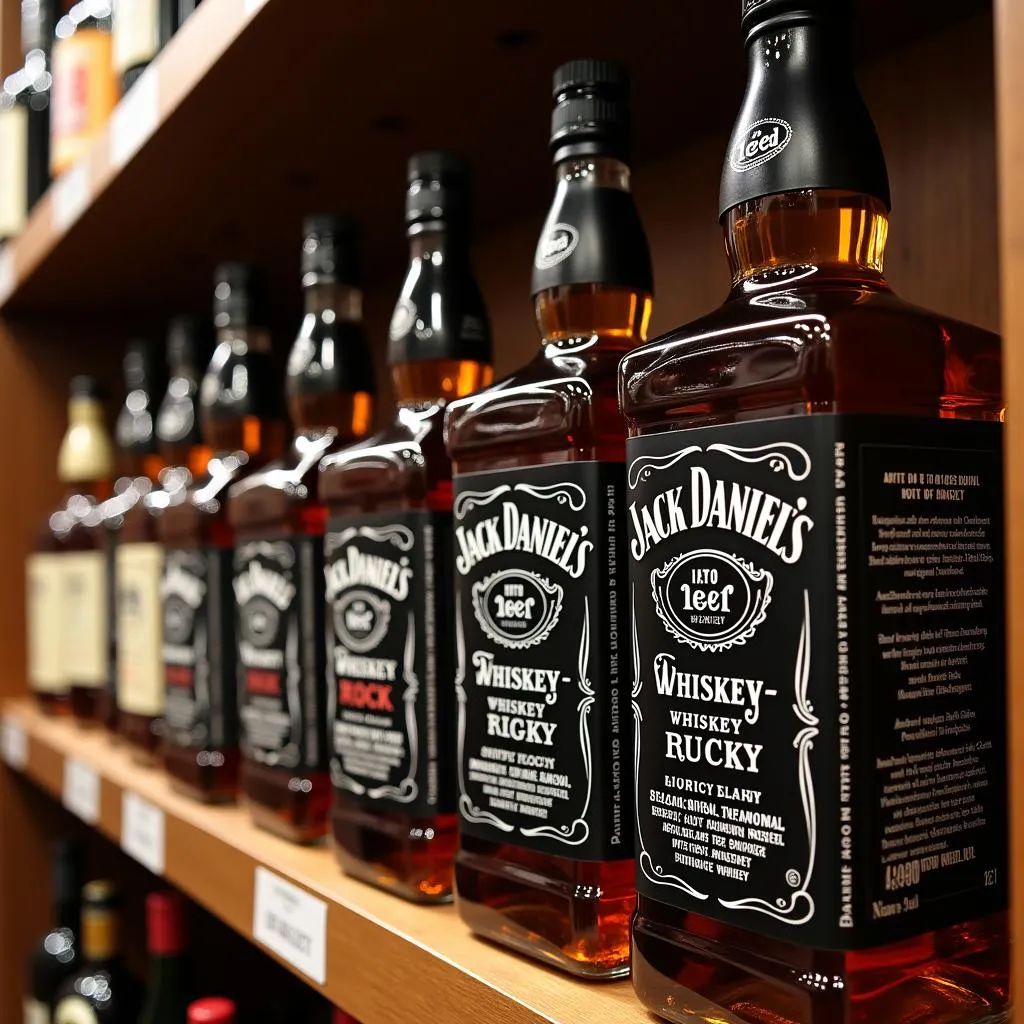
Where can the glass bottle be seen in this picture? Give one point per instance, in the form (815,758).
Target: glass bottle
(279,523)
(387,550)
(141,28)
(168,984)
(200,746)
(84,86)
(544,862)
(55,958)
(25,120)
(241,429)
(64,630)
(102,990)
(817,841)
(138,558)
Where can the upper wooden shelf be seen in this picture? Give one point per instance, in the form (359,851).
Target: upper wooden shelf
(260,111)
(387,961)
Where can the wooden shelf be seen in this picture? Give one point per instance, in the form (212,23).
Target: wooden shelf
(388,962)
(255,116)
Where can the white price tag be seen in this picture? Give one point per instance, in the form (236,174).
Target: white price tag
(142,831)
(14,743)
(7,280)
(252,6)
(134,118)
(82,790)
(292,923)
(70,196)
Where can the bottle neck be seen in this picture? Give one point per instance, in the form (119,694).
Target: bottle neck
(830,234)
(99,935)
(439,336)
(439,244)
(332,301)
(86,459)
(592,270)
(66,913)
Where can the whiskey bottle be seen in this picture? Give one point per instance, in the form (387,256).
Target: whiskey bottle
(545,855)
(138,558)
(278,570)
(66,627)
(241,429)
(84,86)
(387,552)
(815,553)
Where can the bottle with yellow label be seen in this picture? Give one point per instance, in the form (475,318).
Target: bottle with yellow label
(84,84)
(141,29)
(102,991)
(59,572)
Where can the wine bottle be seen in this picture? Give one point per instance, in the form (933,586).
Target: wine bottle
(55,957)
(168,997)
(101,991)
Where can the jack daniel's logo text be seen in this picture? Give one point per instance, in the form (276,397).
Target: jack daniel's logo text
(358,568)
(514,530)
(768,520)
(259,581)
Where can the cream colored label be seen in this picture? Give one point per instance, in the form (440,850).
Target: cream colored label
(45,603)
(36,1012)
(136,33)
(85,618)
(13,170)
(74,1010)
(140,677)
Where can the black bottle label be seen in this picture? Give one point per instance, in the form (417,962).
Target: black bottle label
(593,236)
(388,587)
(542,731)
(819,688)
(278,585)
(200,708)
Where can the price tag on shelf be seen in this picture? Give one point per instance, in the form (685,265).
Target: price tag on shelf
(252,6)
(14,743)
(290,922)
(142,831)
(70,196)
(134,118)
(82,790)
(7,277)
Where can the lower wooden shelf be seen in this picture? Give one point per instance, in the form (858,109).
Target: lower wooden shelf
(387,961)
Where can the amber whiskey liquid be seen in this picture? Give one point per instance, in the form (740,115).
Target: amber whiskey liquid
(278,567)
(388,566)
(800,858)
(544,860)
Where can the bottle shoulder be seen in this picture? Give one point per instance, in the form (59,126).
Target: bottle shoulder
(563,397)
(838,348)
(398,461)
